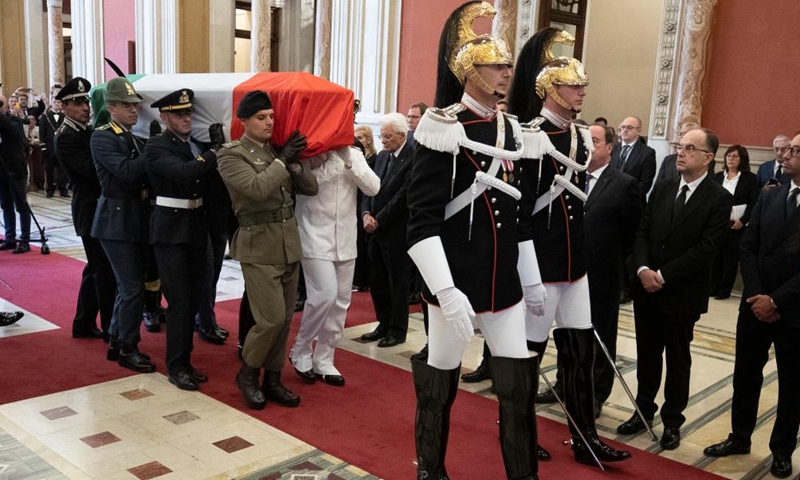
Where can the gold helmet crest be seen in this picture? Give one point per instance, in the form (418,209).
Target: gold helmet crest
(559,70)
(471,49)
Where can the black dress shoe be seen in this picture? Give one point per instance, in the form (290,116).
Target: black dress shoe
(598,409)
(390,341)
(307,376)
(275,391)
(64,194)
(376,334)
(198,376)
(22,247)
(112,354)
(542,454)
(92,332)
(604,452)
(728,447)
(781,465)
(221,331)
(50,194)
(210,336)
(422,355)
(183,380)
(151,323)
(547,397)
(671,439)
(480,374)
(633,425)
(335,380)
(8,245)
(132,358)
(414,298)
(10,318)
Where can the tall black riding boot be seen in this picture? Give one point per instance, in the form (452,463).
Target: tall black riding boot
(247,381)
(513,382)
(576,352)
(539,347)
(436,390)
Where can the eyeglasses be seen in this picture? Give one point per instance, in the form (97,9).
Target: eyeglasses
(387,136)
(792,152)
(781,150)
(689,149)
(628,127)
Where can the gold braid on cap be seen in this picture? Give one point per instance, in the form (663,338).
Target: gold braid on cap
(471,49)
(559,70)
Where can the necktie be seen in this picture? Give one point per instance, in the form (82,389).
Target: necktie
(680,201)
(779,171)
(589,178)
(623,157)
(791,202)
(390,167)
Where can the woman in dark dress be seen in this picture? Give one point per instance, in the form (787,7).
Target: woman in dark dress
(737,178)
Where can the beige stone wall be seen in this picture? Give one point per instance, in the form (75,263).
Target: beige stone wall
(193,37)
(13,67)
(620,57)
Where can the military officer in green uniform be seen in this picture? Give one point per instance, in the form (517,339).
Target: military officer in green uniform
(261,180)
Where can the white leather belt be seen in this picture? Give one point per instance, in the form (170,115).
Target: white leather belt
(187,203)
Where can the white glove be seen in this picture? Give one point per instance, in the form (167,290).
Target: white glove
(535,296)
(458,312)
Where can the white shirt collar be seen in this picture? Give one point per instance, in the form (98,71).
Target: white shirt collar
(596,174)
(480,109)
(555,118)
(397,152)
(793,186)
(630,144)
(692,185)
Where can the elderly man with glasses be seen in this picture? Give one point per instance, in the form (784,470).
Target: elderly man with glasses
(683,225)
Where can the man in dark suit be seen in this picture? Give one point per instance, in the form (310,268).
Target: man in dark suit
(179,228)
(769,314)
(13,179)
(773,170)
(54,173)
(611,214)
(668,168)
(632,156)
(386,219)
(73,149)
(683,225)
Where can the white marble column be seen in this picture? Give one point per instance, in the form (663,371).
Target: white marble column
(260,34)
(322,39)
(527,19)
(297,24)
(156,36)
(55,41)
(87,40)
(35,46)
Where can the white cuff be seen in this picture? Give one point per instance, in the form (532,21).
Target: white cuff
(528,265)
(428,255)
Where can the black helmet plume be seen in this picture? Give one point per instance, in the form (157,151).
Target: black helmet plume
(448,88)
(522,99)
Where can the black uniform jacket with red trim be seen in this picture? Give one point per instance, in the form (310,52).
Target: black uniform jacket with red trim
(484,263)
(557,233)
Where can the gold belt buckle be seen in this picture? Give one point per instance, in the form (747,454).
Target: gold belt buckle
(145,194)
(193,203)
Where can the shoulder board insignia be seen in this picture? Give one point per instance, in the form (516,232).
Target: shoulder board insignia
(581,126)
(511,116)
(231,144)
(115,128)
(105,126)
(454,109)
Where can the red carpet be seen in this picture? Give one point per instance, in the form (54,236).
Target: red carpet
(369,423)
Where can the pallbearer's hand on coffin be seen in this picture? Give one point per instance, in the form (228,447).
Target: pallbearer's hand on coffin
(294,145)
(216,133)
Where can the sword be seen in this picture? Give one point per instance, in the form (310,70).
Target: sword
(653,436)
(569,417)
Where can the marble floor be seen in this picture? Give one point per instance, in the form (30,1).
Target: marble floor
(141,427)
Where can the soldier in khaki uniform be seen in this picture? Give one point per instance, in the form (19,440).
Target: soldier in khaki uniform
(261,181)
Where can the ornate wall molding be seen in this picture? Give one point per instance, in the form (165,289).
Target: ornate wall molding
(55,41)
(87,40)
(527,18)
(156,36)
(322,39)
(504,24)
(297,36)
(683,55)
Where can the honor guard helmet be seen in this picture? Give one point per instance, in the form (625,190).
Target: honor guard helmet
(461,50)
(179,101)
(536,60)
(76,90)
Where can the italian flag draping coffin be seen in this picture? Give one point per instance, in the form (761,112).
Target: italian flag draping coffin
(321,110)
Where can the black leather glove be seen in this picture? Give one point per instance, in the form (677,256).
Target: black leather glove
(155,128)
(216,133)
(294,145)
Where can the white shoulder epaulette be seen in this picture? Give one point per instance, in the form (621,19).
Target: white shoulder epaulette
(535,142)
(440,130)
